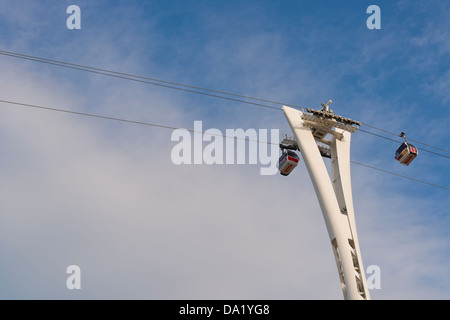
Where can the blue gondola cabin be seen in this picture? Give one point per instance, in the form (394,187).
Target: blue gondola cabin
(406,153)
(288,161)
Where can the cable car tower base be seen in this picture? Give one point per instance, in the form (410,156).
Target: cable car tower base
(335,196)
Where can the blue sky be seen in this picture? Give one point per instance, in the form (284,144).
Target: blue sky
(106,196)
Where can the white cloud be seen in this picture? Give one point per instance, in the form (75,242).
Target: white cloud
(137,225)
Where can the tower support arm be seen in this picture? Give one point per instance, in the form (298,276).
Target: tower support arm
(337,222)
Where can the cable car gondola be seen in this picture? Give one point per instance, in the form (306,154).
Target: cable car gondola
(406,153)
(287,162)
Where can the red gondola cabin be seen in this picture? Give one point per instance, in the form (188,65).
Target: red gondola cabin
(406,153)
(288,161)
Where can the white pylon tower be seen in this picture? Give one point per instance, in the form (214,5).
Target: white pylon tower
(311,129)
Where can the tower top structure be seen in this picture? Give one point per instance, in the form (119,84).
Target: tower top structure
(319,134)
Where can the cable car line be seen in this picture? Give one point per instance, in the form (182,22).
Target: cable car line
(400,175)
(64,64)
(397,135)
(92,115)
(174,128)
(421,149)
(146,80)
(183,87)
